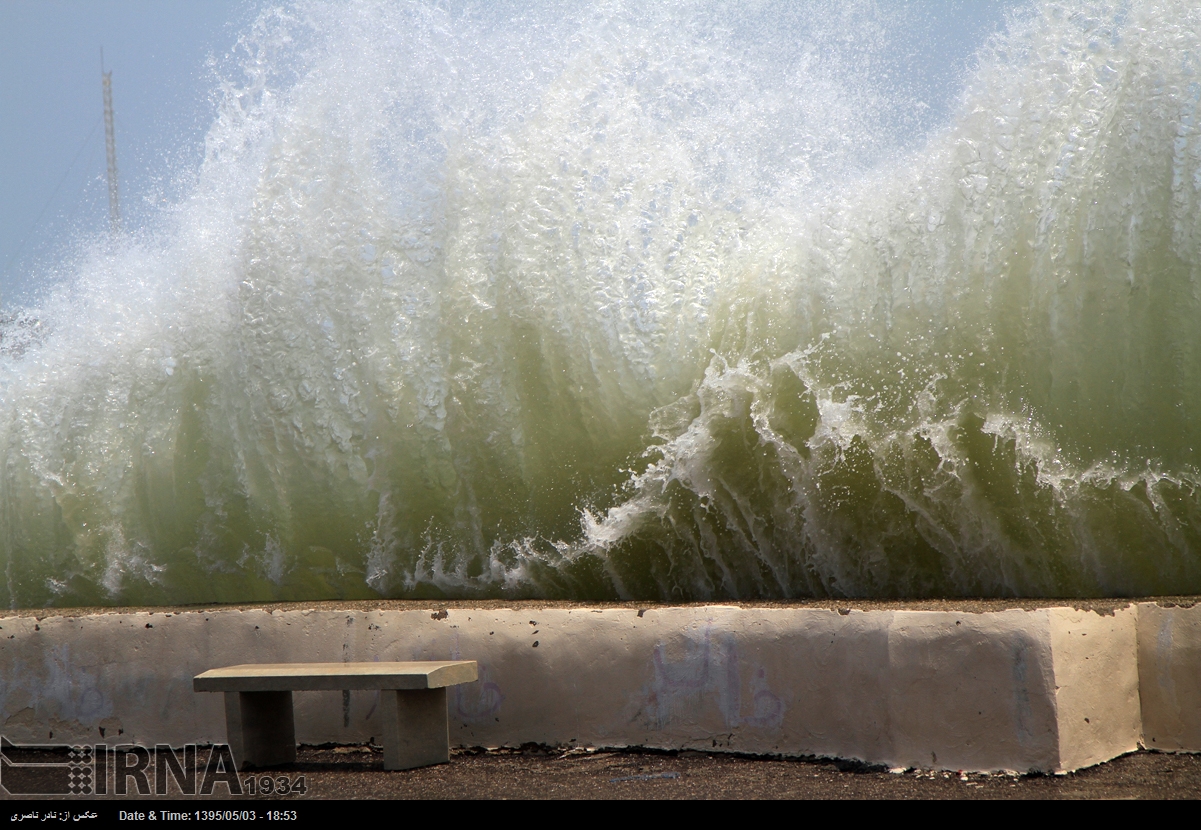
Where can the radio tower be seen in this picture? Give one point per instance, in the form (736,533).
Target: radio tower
(110,144)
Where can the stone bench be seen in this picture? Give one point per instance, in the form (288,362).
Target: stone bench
(258,706)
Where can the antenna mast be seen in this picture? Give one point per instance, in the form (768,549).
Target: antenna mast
(110,144)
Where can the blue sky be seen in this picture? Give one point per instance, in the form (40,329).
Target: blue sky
(50,103)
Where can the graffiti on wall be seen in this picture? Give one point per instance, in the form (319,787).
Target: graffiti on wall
(705,668)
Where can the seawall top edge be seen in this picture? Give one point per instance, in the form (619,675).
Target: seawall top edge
(963,605)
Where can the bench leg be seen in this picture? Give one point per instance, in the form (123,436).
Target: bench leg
(415,729)
(260,728)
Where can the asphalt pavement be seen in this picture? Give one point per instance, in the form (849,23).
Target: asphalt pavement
(541,772)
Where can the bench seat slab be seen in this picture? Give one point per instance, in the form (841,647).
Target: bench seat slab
(303,677)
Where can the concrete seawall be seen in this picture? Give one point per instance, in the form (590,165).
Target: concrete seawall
(1048,688)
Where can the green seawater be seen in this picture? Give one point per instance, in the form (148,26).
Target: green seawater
(635,301)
